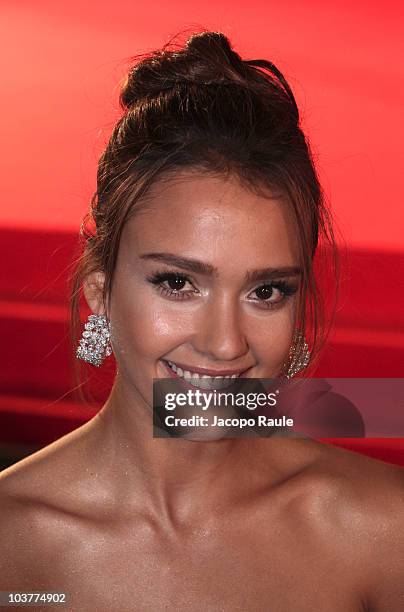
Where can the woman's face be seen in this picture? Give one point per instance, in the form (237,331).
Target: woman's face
(206,278)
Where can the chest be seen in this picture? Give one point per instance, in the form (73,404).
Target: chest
(215,573)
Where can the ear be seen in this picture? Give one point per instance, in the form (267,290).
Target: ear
(92,287)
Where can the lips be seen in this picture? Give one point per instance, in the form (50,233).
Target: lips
(206,371)
(200,381)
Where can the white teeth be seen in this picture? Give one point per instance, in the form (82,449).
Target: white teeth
(203,381)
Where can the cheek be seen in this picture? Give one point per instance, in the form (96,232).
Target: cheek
(270,337)
(142,324)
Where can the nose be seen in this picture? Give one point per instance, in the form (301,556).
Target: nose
(220,335)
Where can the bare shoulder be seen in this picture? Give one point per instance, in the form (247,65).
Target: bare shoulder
(355,505)
(20,539)
(344,490)
(50,473)
(43,499)
(336,473)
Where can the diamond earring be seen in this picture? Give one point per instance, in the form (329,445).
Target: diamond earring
(95,345)
(299,355)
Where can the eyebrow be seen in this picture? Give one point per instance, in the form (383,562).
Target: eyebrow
(200,267)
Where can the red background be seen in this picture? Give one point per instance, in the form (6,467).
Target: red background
(61,66)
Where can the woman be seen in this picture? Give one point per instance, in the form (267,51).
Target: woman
(199,260)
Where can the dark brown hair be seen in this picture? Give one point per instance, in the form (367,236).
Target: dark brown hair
(200,106)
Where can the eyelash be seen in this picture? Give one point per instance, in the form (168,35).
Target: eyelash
(157,279)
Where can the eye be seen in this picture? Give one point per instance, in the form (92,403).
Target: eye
(172,284)
(271,294)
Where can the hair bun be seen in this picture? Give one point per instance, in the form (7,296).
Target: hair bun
(216,55)
(206,58)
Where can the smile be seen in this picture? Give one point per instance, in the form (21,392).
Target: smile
(202,381)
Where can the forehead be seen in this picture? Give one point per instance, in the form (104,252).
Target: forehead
(205,216)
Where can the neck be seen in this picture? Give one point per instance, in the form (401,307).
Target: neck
(181,477)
